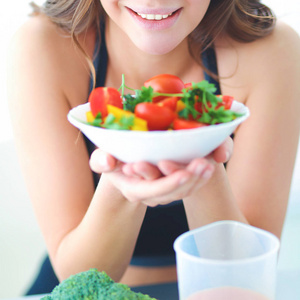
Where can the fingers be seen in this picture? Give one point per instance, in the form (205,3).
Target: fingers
(142,169)
(178,184)
(204,174)
(196,166)
(160,191)
(223,153)
(153,185)
(168,167)
(101,161)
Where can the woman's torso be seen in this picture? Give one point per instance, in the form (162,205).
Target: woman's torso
(168,221)
(162,224)
(238,62)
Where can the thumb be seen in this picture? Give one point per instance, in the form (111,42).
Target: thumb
(223,153)
(101,161)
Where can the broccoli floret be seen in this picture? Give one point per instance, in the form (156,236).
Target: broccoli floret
(93,285)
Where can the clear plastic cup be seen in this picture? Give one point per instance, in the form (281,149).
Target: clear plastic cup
(227,260)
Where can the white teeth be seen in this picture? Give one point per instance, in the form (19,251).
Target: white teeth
(153,17)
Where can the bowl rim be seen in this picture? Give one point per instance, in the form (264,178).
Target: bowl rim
(79,123)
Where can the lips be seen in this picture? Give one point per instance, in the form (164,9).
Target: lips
(156,20)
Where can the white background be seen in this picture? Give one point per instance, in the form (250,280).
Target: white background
(21,245)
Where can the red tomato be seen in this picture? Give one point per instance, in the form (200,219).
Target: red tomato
(198,107)
(188,85)
(157,117)
(165,83)
(102,96)
(179,124)
(170,102)
(227,101)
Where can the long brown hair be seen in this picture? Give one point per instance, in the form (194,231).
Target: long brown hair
(242,20)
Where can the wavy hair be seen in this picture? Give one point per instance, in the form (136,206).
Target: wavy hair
(242,20)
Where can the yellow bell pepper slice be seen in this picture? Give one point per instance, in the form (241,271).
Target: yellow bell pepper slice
(138,123)
(89,117)
(180,105)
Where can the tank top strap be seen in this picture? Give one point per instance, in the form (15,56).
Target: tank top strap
(100,59)
(209,61)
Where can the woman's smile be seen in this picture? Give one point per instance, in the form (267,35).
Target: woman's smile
(155,19)
(155,27)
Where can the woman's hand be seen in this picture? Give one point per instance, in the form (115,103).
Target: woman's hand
(161,184)
(223,153)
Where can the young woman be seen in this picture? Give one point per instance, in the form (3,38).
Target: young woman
(126,221)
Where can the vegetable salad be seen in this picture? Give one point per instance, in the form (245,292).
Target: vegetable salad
(165,102)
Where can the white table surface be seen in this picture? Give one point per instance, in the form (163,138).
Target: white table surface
(288,287)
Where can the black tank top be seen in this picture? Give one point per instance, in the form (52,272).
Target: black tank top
(164,223)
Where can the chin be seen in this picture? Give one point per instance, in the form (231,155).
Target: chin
(156,48)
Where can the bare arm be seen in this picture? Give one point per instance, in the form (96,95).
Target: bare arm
(84,228)
(81,230)
(256,189)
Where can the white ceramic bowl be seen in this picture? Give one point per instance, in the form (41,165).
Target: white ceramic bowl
(153,146)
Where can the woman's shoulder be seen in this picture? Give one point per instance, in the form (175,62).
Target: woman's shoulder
(261,61)
(46,49)
(39,36)
(283,41)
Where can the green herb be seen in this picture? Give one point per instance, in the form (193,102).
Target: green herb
(220,115)
(145,94)
(123,124)
(97,121)
(201,104)
(202,94)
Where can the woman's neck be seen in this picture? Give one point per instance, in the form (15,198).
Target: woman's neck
(138,66)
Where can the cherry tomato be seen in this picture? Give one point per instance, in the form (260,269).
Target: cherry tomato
(101,96)
(165,83)
(199,108)
(227,101)
(188,85)
(157,117)
(179,124)
(170,102)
